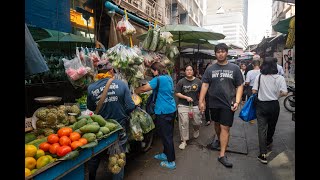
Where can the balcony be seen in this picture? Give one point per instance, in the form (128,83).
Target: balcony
(149,11)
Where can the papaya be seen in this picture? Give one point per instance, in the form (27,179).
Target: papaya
(99,119)
(90,128)
(79,124)
(89,137)
(104,130)
(83,117)
(99,134)
(110,125)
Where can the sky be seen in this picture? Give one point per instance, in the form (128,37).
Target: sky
(259,20)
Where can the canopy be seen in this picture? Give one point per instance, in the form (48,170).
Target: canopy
(66,37)
(283,25)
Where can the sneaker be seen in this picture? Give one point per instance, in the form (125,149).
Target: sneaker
(269,149)
(196,134)
(169,165)
(182,145)
(224,160)
(207,123)
(263,158)
(215,144)
(161,157)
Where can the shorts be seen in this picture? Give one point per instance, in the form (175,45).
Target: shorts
(222,116)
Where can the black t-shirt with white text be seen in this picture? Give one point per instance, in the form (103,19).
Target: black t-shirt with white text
(190,89)
(223,81)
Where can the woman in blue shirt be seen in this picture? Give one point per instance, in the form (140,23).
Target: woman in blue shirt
(165,111)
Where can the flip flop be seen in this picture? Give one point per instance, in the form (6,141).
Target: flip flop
(169,165)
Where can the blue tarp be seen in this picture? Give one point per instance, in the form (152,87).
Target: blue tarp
(49,14)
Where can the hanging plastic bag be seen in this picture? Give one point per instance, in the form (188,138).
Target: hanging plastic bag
(74,68)
(144,118)
(190,112)
(155,39)
(147,41)
(136,132)
(121,26)
(117,158)
(130,30)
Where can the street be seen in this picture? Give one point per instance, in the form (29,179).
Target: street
(197,162)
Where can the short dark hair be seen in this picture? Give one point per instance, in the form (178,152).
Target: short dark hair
(220,46)
(185,67)
(269,66)
(159,67)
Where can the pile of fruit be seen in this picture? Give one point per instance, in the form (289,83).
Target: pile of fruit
(116,162)
(35,159)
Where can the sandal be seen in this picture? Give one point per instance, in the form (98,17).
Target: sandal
(161,157)
(169,165)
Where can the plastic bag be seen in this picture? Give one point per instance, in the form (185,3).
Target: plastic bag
(155,39)
(74,68)
(117,158)
(147,41)
(248,112)
(130,30)
(144,118)
(136,132)
(167,36)
(190,112)
(121,26)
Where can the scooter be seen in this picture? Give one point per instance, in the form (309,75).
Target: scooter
(289,101)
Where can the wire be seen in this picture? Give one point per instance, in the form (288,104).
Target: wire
(98,37)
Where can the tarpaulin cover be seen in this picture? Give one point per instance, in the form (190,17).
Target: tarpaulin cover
(34,61)
(49,14)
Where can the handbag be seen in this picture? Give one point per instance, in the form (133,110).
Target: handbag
(103,96)
(248,112)
(151,101)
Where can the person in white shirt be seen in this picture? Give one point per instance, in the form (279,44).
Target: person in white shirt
(270,87)
(280,68)
(251,76)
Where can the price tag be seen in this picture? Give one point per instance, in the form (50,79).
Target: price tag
(28,125)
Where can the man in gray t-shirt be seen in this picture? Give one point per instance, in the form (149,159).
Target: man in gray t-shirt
(224,83)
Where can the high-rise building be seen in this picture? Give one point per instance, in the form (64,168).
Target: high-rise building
(229,18)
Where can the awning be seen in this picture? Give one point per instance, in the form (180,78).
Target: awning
(282,26)
(277,37)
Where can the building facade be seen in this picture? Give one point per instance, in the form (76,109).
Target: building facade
(281,10)
(230,18)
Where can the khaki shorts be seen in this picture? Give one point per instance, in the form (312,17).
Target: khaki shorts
(184,120)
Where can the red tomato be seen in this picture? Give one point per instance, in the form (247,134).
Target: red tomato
(53,138)
(64,140)
(45,146)
(63,150)
(53,148)
(64,131)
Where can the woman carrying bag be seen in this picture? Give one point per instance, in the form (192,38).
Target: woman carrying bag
(165,111)
(272,87)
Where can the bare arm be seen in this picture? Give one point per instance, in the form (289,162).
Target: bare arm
(203,92)
(179,95)
(282,93)
(238,97)
(143,89)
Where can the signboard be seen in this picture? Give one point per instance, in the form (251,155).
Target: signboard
(77,19)
(288,62)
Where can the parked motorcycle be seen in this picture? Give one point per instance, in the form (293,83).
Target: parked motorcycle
(289,101)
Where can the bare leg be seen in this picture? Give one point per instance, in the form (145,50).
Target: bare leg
(224,139)
(217,128)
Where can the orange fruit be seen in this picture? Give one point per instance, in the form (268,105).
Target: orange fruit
(83,140)
(64,131)
(45,146)
(76,144)
(75,136)
(30,150)
(27,172)
(53,138)
(53,148)
(64,141)
(30,163)
(39,153)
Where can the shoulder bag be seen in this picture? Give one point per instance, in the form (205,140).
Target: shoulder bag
(151,101)
(103,95)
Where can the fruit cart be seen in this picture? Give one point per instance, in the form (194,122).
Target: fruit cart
(76,168)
